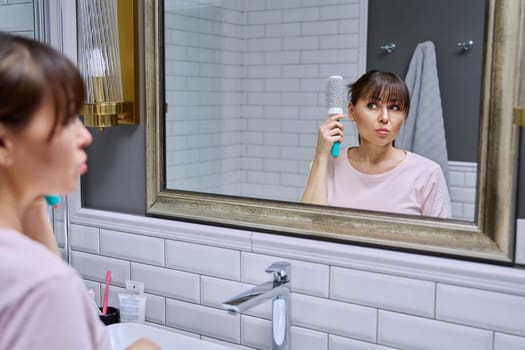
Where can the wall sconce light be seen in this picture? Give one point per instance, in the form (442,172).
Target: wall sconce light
(108,61)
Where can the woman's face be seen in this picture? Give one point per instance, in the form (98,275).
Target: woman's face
(50,166)
(377,121)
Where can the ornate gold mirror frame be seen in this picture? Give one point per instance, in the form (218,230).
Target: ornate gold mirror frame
(489,238)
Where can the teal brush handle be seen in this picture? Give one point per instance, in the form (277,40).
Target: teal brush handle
(52,200)
(335,149)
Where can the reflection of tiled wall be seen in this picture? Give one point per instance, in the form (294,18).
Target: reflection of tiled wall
(290,50)
(462,188)
(343,297)
(257,76)
(203,69)
(17,16)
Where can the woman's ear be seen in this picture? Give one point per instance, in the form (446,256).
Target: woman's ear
(351,111)
(5,147)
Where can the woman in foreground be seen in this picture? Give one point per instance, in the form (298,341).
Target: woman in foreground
(44,303)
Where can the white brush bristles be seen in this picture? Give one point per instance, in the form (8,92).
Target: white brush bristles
(335,94)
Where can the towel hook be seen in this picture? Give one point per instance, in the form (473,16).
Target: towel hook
(388,48)
(466,45)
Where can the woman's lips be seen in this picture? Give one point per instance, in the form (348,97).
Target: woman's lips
(83,168)
(383,131)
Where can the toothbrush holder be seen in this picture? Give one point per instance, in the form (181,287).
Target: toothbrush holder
(112,316)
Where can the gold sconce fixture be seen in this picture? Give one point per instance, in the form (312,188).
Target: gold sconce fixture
(519,116)
(108,61)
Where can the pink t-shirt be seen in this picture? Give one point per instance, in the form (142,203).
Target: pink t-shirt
(416,186)
(43,302)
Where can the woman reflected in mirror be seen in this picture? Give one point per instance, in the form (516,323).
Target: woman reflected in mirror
(375,175)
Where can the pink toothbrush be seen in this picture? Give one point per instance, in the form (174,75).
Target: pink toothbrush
(106,292)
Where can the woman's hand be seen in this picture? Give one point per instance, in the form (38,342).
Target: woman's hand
(330,132)
(36,225)
(144,344)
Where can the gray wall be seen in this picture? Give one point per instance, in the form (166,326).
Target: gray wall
(447,22)
(116,179)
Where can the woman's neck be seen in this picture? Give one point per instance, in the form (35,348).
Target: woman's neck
(375,154)
(9,218)
(374,159)
(12,206)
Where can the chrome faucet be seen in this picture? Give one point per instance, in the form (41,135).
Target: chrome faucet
(278,291)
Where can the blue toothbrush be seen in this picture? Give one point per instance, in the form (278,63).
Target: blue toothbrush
(52,200)
(334,102)
(335,149)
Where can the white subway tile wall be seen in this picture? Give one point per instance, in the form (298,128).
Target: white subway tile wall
(81,238)
(256,333)
(508,342)
(520,242)
(219,262)
(400,294)
(410,332)
(483,309)
(203,66)
(94,267)
(162,281)
(339,343)
(335,306)
(117,244)
(251,64)
(334,317)
(16,16)
(462,187)
(215,290)
(212,322)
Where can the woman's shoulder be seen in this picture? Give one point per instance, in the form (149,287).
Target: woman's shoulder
(421,162)
(25,263)
(37,284)
(420,167)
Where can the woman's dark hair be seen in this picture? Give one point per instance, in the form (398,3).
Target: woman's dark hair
(29,71)
(384,86)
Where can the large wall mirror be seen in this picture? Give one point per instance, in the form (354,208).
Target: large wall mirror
(235,92)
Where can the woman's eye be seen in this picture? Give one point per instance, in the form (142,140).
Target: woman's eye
(395,108)
(372,105)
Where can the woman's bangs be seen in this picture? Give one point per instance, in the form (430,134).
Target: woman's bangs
(389,92)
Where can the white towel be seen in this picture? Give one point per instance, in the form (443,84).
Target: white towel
(424,130)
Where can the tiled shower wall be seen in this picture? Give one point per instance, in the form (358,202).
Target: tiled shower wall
(16,16)
(342,299)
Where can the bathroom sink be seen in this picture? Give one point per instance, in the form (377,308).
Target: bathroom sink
(123,334)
